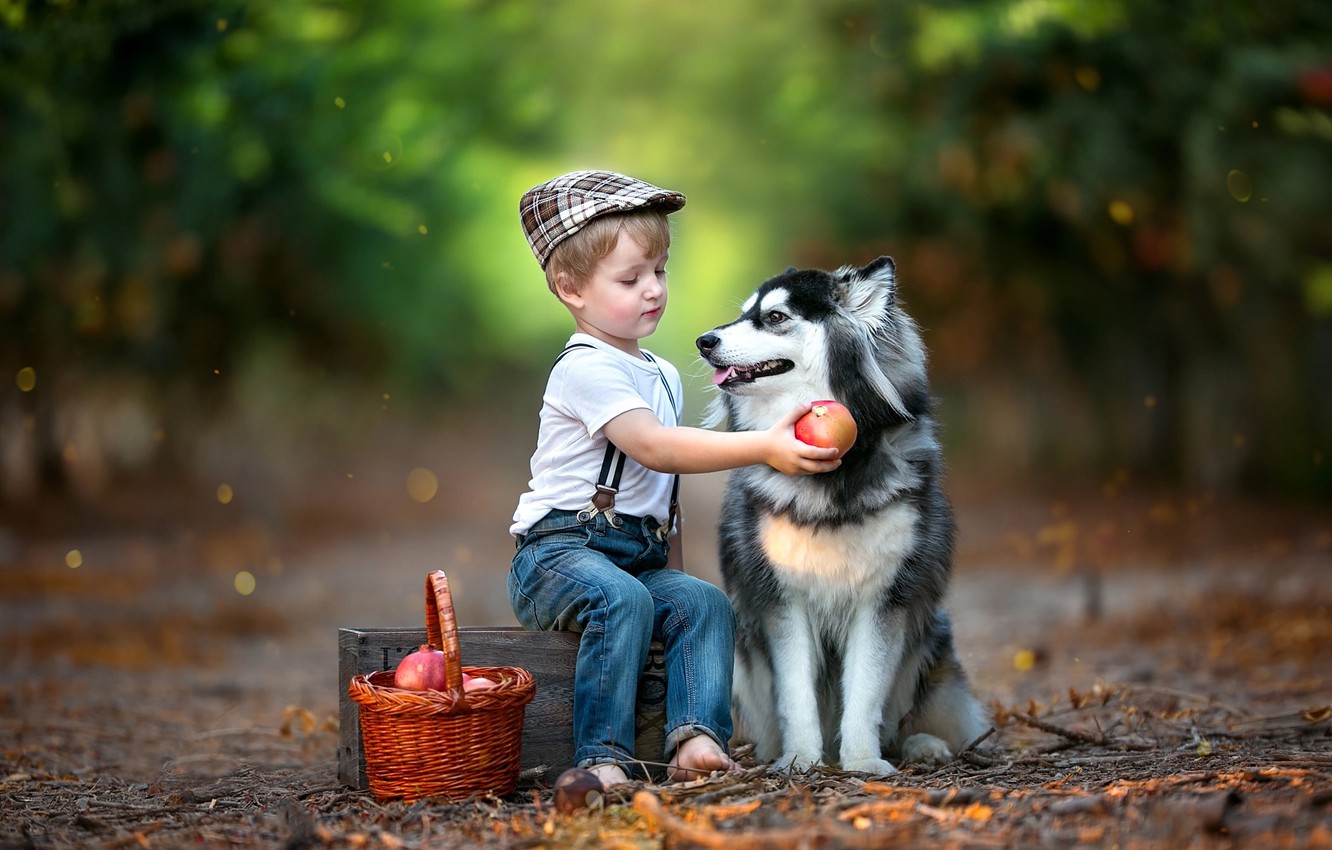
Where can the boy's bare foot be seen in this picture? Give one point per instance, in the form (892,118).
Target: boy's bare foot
(697,757)
(610,775)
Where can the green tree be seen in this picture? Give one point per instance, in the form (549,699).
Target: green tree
(1134,190)
(1108,214)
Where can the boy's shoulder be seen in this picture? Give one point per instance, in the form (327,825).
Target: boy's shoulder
(583,344)
(589,354)
(570,349)
(586,348)
(583,361)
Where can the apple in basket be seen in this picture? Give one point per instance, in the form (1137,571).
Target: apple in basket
(423,670)
(477,683)
(828,424)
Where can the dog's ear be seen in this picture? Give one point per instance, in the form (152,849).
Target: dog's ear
(868,293)
(884,265)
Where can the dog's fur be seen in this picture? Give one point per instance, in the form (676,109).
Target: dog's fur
(838,579)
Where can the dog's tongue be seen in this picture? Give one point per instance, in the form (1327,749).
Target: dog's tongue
(719,376)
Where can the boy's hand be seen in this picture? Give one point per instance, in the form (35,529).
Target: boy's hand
(794,457)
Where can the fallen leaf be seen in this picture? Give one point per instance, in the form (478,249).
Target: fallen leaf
(1317,715)
(978,812)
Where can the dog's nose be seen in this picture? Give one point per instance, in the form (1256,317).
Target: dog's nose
(707,342)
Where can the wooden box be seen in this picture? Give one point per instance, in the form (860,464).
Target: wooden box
(548,721)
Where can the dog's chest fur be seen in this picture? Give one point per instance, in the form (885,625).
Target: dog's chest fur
(842,565)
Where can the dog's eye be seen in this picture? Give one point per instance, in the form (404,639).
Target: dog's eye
(775,317)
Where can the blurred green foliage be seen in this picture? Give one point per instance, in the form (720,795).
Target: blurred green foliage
(1111,216)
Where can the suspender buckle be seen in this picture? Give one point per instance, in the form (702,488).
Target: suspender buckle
(604,498)
(603,502)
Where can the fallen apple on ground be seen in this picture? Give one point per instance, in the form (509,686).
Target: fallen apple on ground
(828,424)
(578,789)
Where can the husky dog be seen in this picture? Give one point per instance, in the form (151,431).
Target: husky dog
(844,653)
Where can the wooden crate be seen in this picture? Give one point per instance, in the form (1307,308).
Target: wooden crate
(548,721)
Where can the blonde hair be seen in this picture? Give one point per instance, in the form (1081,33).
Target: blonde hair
(577,257)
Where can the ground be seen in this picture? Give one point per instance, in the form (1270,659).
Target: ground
(1157,664)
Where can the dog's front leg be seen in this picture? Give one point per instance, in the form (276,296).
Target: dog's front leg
(795,673)
(873,657)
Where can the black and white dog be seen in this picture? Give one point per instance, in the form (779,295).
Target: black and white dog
(844,653)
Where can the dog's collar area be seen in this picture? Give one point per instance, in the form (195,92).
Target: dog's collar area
(727,375)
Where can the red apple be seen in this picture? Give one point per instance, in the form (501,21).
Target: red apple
(477,683)
(423,670)
(828,424)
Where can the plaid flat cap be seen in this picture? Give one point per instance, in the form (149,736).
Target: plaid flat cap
(557,209)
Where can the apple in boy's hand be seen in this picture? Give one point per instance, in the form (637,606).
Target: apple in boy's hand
(828,424)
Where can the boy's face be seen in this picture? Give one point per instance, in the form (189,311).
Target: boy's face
(625,297)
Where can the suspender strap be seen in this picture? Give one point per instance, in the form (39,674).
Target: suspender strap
(614,457)
(608,482)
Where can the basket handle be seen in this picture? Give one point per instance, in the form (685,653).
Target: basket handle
(442,627)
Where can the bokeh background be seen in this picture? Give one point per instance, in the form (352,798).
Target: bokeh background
(272,347)
(260,263)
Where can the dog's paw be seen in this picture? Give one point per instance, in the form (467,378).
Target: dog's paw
(877,767)
(795,762)
(926,749)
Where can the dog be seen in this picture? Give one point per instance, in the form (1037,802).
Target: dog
(838,579)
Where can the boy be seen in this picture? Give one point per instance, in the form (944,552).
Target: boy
(593,531)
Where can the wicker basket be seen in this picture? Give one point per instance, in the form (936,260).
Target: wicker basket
(442,743)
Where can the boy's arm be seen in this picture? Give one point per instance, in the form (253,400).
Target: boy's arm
(639,434)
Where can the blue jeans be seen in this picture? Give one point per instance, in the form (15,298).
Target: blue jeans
(611,584)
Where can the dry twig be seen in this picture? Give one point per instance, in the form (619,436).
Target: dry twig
(817,833)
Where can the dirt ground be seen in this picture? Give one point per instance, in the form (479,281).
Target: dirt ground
(1158,665)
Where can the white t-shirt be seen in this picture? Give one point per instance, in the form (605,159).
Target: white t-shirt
(587,388)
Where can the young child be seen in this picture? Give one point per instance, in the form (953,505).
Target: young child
(597,532)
